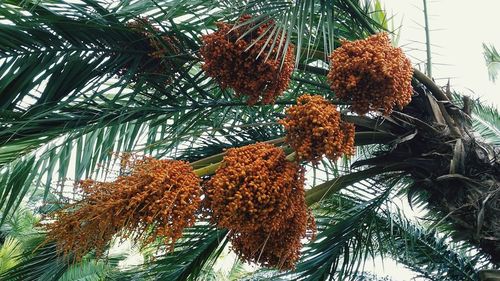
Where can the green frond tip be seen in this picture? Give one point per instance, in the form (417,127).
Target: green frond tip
(492,59)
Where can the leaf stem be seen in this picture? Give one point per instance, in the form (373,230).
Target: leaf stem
(427,40)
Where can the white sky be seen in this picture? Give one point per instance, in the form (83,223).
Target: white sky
(459,28)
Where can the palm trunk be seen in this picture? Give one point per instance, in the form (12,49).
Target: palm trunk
(459,174)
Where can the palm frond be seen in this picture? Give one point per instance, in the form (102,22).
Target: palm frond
(486,122)
(427,251)
(344,241)
(492,59)
(485,118)
(9,253)
(85,271)
(199,248)
(21,225)
(341,247)
(43,264)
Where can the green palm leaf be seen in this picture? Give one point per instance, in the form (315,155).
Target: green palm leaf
(492,59)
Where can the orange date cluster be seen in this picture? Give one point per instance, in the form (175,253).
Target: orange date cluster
(259,196)
(245,59)
(372,74)
(160,48)
(314,128)
(157,199)
(279,249)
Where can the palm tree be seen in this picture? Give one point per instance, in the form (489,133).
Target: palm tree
(77,83)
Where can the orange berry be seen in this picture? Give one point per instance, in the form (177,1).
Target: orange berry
(158,198)
(372,74)
(160,48)
(314,128)
(250,65)
(267,197)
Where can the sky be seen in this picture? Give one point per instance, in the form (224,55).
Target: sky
(458,29)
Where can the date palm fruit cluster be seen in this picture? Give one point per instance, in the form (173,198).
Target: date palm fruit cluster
(160,48)
(259,196)
(314,128)
(372,74)
(256,193)
(244,60)
(280,248)
(157,199)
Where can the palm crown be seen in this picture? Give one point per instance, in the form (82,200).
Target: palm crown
(82,82)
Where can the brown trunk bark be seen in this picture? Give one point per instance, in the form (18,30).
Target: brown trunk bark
(459,174)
